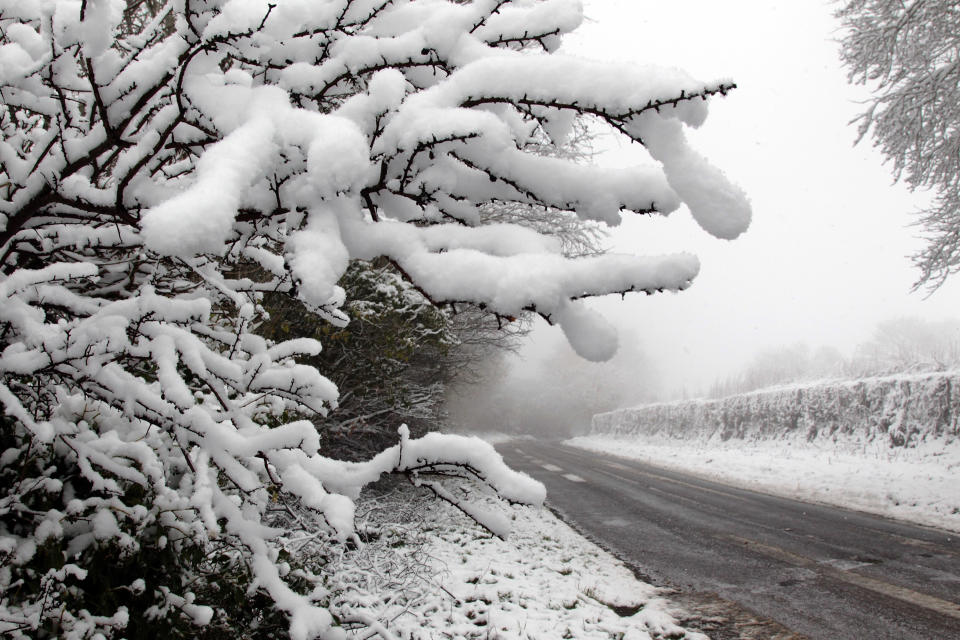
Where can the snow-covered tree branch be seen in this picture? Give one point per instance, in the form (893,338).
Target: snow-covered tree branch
(166,166)
(908,54)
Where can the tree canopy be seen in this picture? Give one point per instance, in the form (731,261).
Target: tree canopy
(166,168)
(908,54)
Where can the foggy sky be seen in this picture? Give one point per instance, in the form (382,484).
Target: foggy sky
(825,259)
(826,256)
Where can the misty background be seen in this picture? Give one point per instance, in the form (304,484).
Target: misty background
(820,286)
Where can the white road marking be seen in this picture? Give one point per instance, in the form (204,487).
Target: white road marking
(573,478)
(551,467)
(616,522)
(674,481)
(845,565)
(932,603)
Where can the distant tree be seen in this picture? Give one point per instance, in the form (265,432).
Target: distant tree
(908,53)
(769,367)
(827,362)
(908,344)
(783,365)
(900,345)
(164,174)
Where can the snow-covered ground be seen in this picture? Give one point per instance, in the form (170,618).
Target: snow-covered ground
(447,578)
(920,484)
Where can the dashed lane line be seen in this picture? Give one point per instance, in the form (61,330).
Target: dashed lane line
(572,477)
(689,485)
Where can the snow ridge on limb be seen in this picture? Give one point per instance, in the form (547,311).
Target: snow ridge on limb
(719,207)
(442,454)
(434,454)
(162,168)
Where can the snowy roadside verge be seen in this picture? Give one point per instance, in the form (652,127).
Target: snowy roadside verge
(918,484)
(432,573)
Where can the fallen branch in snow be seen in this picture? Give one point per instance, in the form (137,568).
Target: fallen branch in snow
(494,523)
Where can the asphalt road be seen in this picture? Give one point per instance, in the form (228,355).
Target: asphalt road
(786,569)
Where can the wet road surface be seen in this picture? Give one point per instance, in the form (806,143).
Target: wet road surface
(794,569)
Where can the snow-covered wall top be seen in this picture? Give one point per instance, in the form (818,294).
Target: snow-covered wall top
(903,410)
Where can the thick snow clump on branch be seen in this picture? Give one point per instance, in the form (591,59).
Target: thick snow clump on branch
(161,171)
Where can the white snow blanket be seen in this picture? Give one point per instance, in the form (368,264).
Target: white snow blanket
(887,445)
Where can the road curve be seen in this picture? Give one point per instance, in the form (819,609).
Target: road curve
(804,570)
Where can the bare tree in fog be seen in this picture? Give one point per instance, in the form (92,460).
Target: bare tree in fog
(909,345)
(900,345)
(908,53)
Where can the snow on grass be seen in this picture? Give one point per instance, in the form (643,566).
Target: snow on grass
(447,578)
(918,484)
